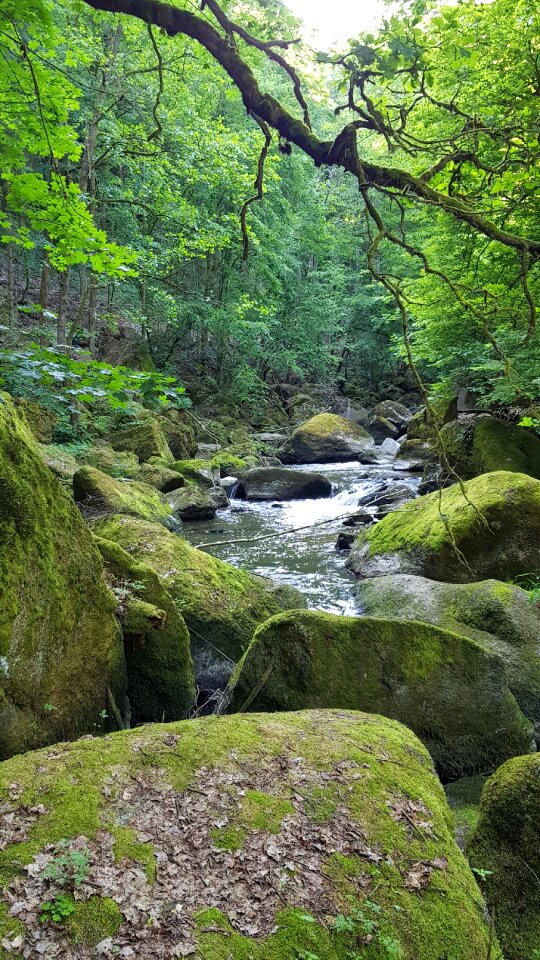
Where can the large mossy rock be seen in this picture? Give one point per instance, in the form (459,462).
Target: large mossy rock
(488,529)
(60,646)
(143,437)
(283,837)
(99,493)
(422,425)
(194,503)
(279,483)
(326,438)
(161,684)
(447,689)
(480,445)
(161,477)
(393,411)
(222,606)
(499,616)
(115,463)
(179,434)
(506,845)
(200,472)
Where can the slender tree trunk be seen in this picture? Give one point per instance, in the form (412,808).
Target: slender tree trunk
(12,314)
(44,284)
(62,309)
(92,311)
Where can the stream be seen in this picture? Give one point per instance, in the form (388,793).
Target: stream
(306,559)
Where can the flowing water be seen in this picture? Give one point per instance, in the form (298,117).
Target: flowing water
(306,559)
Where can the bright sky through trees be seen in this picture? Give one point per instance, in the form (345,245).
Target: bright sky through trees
(336,21)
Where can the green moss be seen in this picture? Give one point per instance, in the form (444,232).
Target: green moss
(161,477)
(506,845)
(10,928)
(320,803)
(263,812)
(493,531)
(160,670)
(61,461)
(55,609)
(114,463)
(486,444)
(127,847)
(192,503)
(221,605)
(323,438)
(40,421)
(97,490)
(411,671)
(228,838)
(464,801)
(377,763)
(195,471)
(143,437)
(228,464)
(498,616)
(94,920)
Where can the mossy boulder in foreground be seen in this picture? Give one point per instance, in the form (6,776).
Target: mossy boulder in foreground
(326,438)
(193,502)
(499,616)
(156,640)
(99,493)
(221,605)
(60,646)
(447,689)
(490,529)
(506,844)
(317,834)
(481,444)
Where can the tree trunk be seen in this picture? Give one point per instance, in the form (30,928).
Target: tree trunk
(44,284)
(92,310)
(12,313)
(62,309)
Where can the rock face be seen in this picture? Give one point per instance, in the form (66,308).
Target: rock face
(420,426)
(491,532)
(192,503)
(195,471)
(161,684)
(179,435)
(221,605)
(412,672)
(326,438)
(498,616)
(116,463)
(506,843)
(144,437)
(60,646)
(279,836)
(278,483)
(98,492)
(382,429)
(479,445)
(162,478)
(393,411)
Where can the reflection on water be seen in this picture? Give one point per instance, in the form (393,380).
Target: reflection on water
(306,559)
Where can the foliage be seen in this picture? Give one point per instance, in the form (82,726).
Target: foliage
(71,382)
(57,910)
(68,868)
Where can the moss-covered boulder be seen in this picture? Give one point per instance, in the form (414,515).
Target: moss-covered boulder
(489,528)
(505,850)
(200,472)
(222,606)
(98,493)
(41,422)
(156,641)
(60,646)
(179,434)
(115,463)
(499,616)
(422,425)
(477,445)
(279,483)
(382,429)
(61,461)
(326,438)
(192,503)
(281,837)
(143,437)
(393,411)
(412,672)
(463,798)
(160,477)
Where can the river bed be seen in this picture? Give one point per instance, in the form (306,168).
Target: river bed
(306,559)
